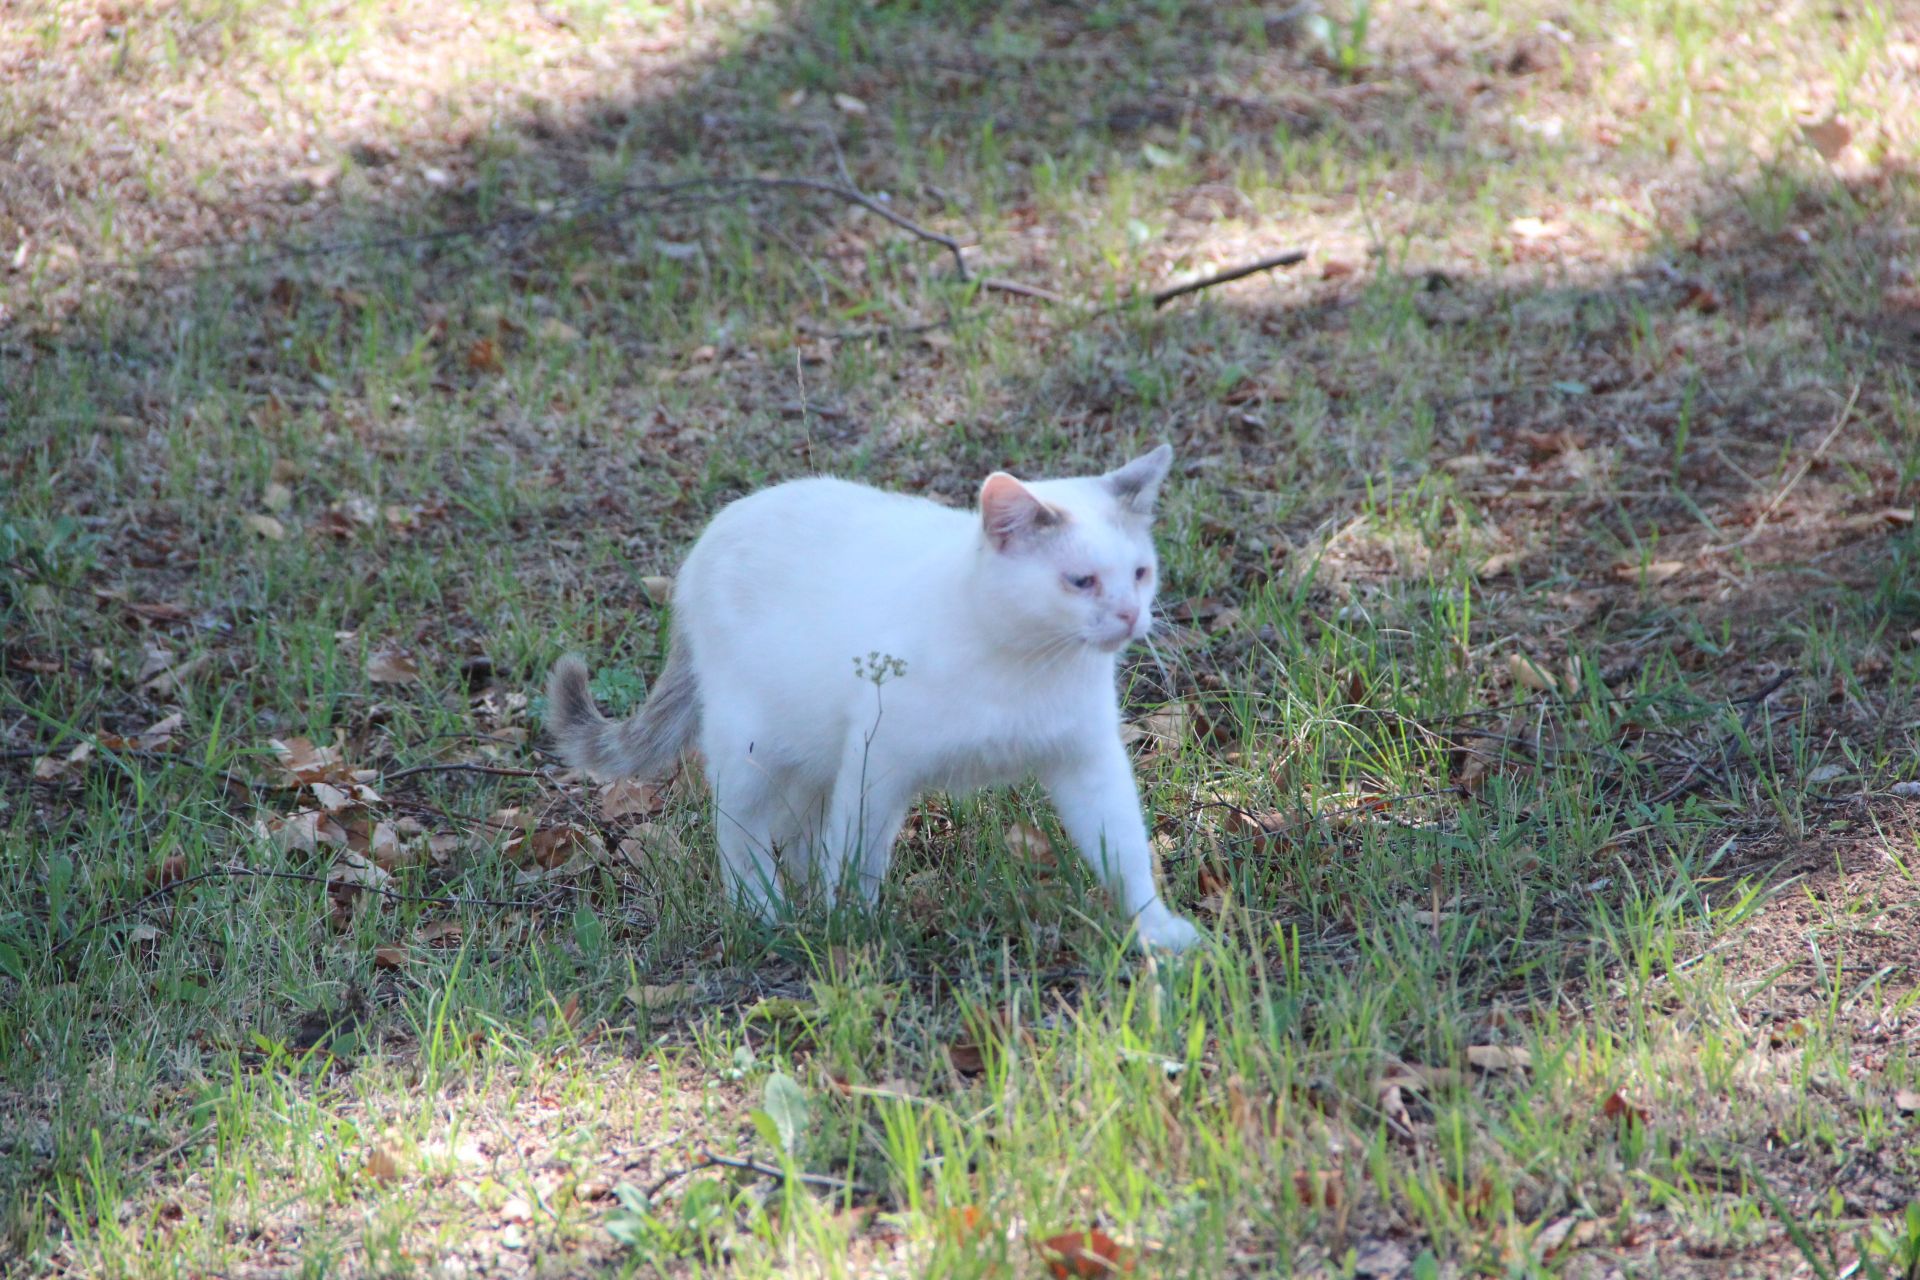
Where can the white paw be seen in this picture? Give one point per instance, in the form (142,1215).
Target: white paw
(1160,929)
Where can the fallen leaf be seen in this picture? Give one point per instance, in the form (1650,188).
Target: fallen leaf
(966,1058)
(1829,137)
(556,848)
(438,933)
(1499,1057)
(264,525)
(389,957)
(305,763)
(1083,1253)
(159,733)
(53,768)
(659,588)
(484,356)
(650,840)
(629,797)
(1528,675)
(1617,1106)
(1898,517)
(1024,840)
(554,329)
(849,104)
(648,995)
(1530,228)
(1552,1236)
(277,497)
(1907,1101)
(381,1165)
(171,871)
(1317,1189)
(389,666)
(1905,790)
(384,847)
(1702,297)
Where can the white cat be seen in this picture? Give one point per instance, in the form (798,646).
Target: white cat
(839,650)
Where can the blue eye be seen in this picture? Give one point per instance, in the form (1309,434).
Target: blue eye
(1086,582)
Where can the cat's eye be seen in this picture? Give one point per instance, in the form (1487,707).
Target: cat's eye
(1140,574)
(1085,582)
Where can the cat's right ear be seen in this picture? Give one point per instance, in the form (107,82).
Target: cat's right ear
(1009,511)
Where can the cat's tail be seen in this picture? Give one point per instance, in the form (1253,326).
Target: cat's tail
(646,744)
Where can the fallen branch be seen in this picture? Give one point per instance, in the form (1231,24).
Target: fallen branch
(708,1160)
(1287,259)
(491,770)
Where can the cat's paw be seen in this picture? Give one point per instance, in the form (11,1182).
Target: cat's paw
(1161,930)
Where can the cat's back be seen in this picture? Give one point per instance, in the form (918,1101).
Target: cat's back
(806,517)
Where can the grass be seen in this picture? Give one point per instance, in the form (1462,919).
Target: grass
(1528,726)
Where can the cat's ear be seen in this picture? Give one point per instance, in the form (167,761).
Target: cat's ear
(1009,511)
(1137,484)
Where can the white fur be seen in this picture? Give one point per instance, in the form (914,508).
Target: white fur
(1009,669)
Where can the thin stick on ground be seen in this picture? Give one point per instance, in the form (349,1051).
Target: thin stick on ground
(708,1160)
(1287,259)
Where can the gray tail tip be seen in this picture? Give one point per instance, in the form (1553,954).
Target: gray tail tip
(568,701)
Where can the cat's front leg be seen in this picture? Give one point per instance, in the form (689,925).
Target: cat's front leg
(1099,804)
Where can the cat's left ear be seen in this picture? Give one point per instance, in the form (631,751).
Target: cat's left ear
(1137,484)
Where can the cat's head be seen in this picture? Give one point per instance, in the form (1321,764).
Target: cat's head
(1071,562)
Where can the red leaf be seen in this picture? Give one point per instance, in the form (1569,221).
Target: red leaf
(1617,1105)
(1084,1253)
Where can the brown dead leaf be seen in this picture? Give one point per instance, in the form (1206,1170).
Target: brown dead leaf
(438,933)
(53,768)
(1024,840)
(659,588)
(381,1165)
(650,840)
(484,356)
(1617,1105)
(389,957)
(1907,1101)
(1702,297)
(966,1057)
(1527,674)
(1084,1254)
(631,798)
(171,871)
(305,763)
(1499,1057)
(1317,1188)
(390,666)
(556,848)
(1829,137)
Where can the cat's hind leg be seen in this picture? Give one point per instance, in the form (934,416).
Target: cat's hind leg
(862,819)
(748,816)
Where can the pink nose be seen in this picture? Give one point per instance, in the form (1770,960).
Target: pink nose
(1128,616)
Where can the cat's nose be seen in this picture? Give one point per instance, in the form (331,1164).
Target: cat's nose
(1128,616)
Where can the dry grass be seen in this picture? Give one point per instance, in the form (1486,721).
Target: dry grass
(1590,419)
